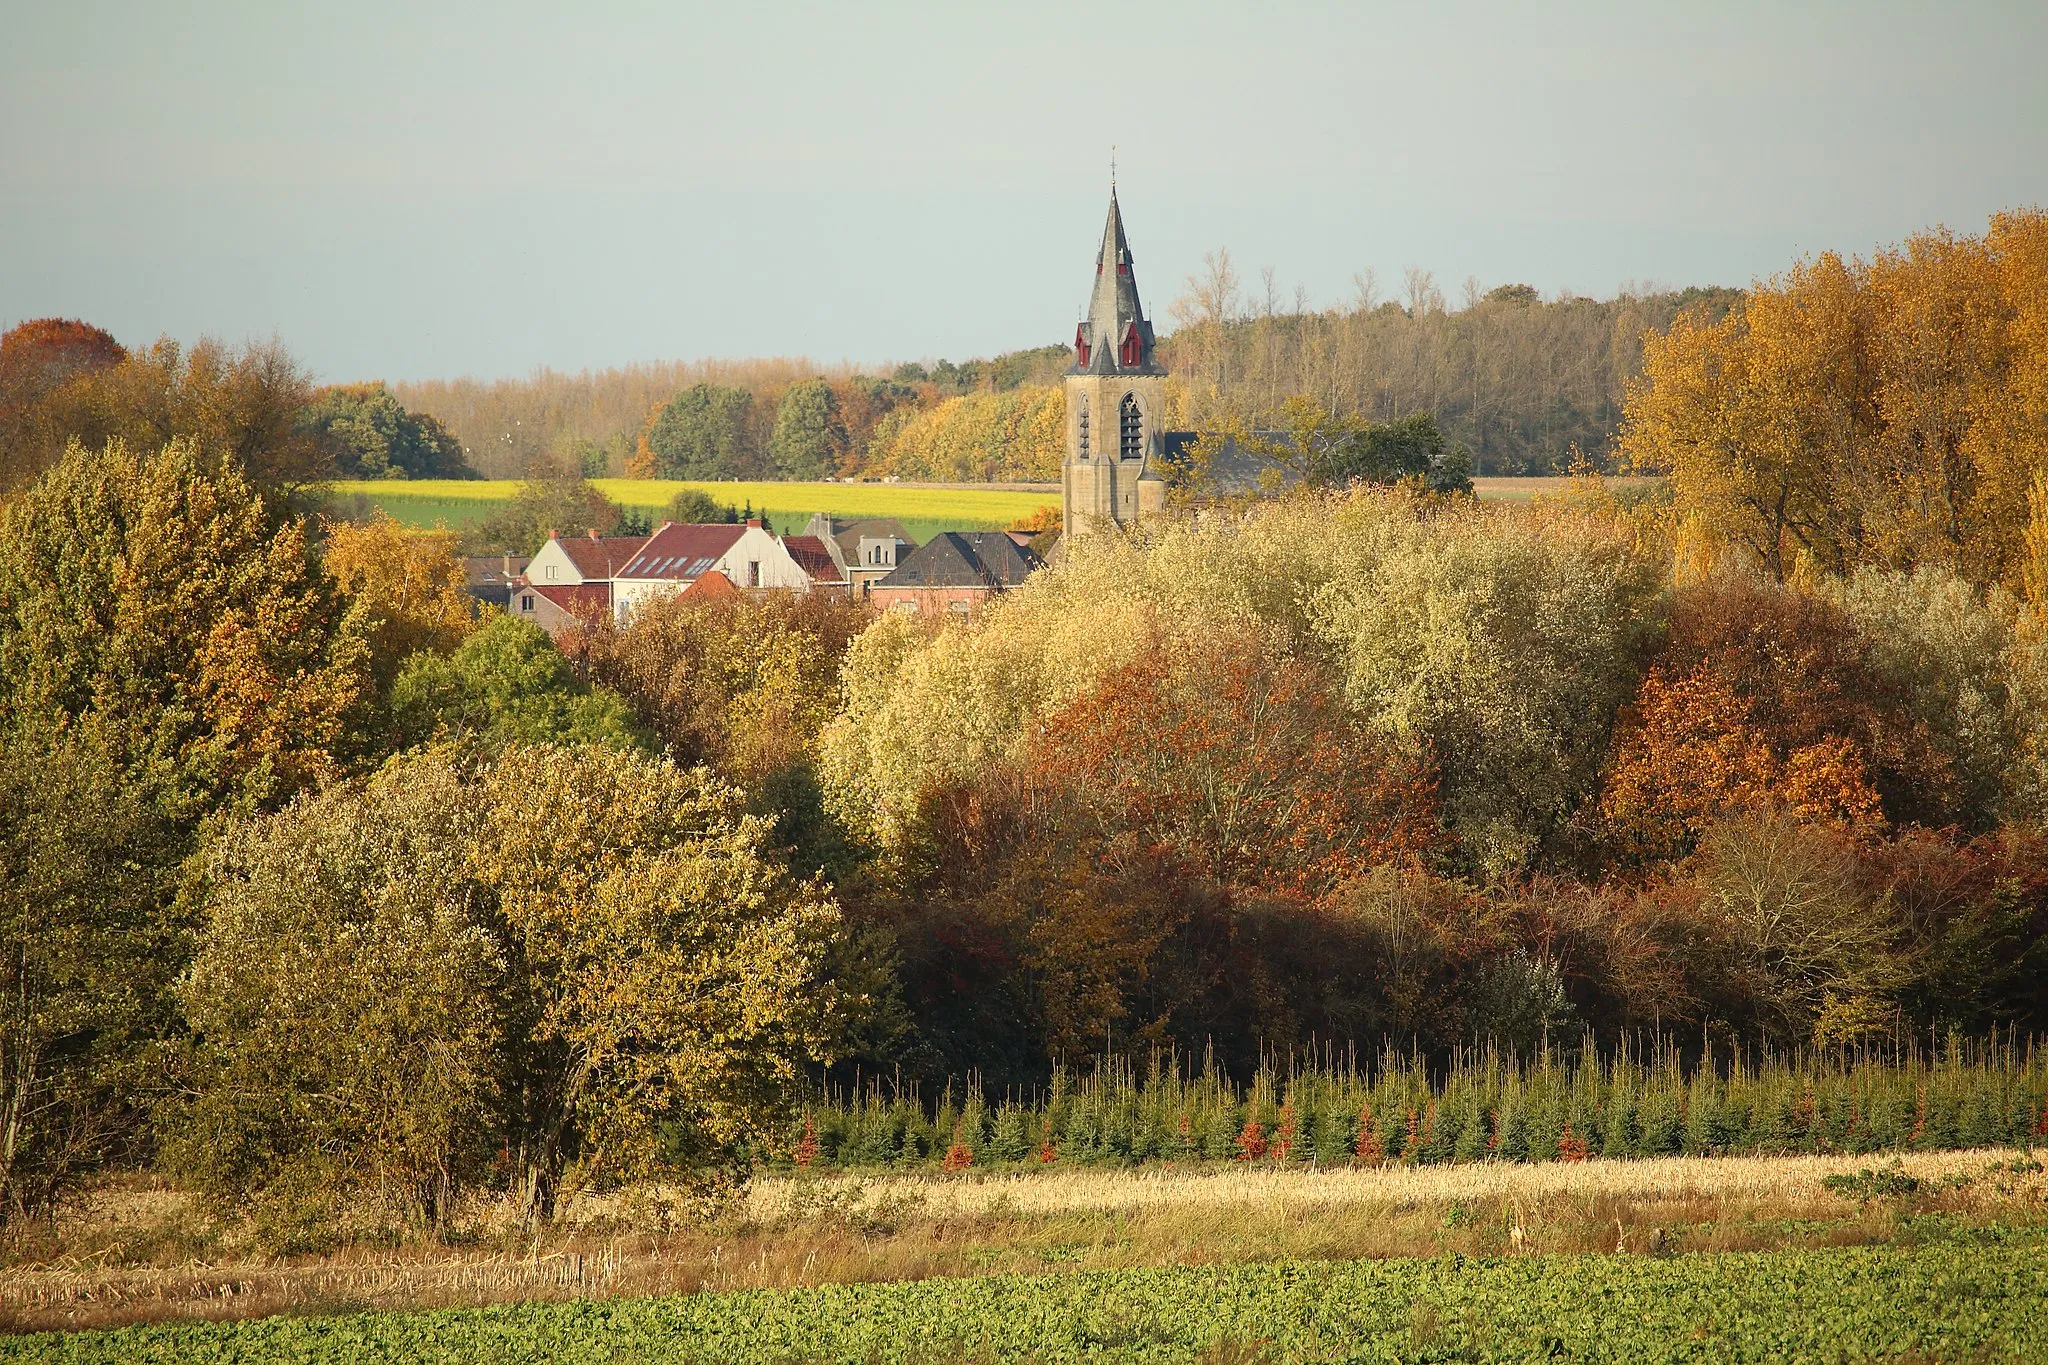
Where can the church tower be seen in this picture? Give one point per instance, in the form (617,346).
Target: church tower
(1116,400)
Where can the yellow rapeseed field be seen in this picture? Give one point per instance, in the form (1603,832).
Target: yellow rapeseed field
(422,502)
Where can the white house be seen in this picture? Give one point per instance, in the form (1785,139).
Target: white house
(678,554)
(582,559)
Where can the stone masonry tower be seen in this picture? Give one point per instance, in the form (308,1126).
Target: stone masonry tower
(1116,401)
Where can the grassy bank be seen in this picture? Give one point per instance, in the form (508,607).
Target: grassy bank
(457,503)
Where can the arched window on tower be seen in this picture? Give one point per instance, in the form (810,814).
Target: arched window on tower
(1130,430)
(1131,353)
(1081,347)
(1081,447)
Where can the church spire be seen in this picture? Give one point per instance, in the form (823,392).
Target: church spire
(1114,338)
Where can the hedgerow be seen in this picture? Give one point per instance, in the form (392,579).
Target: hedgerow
(1481,1107)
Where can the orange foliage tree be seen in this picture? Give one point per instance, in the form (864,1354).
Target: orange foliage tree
(1764,698)
(1242,761)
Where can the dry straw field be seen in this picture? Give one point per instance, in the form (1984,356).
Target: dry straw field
(139,1254)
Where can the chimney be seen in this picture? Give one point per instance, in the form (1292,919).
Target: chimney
(754,522)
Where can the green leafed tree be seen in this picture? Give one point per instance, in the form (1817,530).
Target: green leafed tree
(555,496)
(87,956)
(506,684)
(705,432)
(809,438)
(365,434)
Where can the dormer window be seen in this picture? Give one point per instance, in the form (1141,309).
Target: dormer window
(1081,347)
(1131,353)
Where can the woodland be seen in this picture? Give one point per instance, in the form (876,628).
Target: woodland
(326,898)
(1525,385)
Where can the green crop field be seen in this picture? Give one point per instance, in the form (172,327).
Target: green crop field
(457,502)
(1984,1297)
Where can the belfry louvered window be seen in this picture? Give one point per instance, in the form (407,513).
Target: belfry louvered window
(1130,430)
(1082,446)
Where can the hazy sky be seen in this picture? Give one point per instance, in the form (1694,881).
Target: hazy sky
(411,190)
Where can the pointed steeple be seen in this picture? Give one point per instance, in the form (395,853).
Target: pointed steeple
(1114,338)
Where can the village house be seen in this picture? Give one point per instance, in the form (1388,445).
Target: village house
(955,573)
(489,578)
(570,580)
(746,556)
(866,551)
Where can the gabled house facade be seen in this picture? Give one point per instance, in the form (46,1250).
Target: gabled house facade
(866,550)
(747,557)
(570,580)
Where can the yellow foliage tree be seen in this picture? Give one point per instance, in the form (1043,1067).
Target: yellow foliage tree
(410,586)
(1890,412)
(1018,434)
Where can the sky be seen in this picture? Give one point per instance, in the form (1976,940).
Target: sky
(418,190)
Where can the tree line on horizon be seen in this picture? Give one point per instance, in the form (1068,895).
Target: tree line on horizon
(1523,383)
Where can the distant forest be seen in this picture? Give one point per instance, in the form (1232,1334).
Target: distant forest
(1521,382)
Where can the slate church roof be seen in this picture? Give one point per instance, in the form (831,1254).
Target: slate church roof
(964,559)
(1115,336)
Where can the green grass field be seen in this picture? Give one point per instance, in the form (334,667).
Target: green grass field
(1983,1297)
(457,503)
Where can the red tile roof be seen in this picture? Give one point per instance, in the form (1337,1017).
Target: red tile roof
(681,551)
(584,601)
(600,557)
(710,583)
(813,558)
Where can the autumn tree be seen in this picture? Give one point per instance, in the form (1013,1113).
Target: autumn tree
(744,686)
(409,585)
(382,1085)
(241,404)
(1504,643)
(1017,434)
(154,596)
(166,651)
(36,359)
(1767,699)
(1852,412)
(1240,759)
(579,958)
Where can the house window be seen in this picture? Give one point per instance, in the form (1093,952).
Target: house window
(753,573)
(526,602)
(1084,429)
(1130,429)
(957,606)
(552,573)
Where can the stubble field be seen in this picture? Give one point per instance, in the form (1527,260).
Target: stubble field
(1941,1256)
